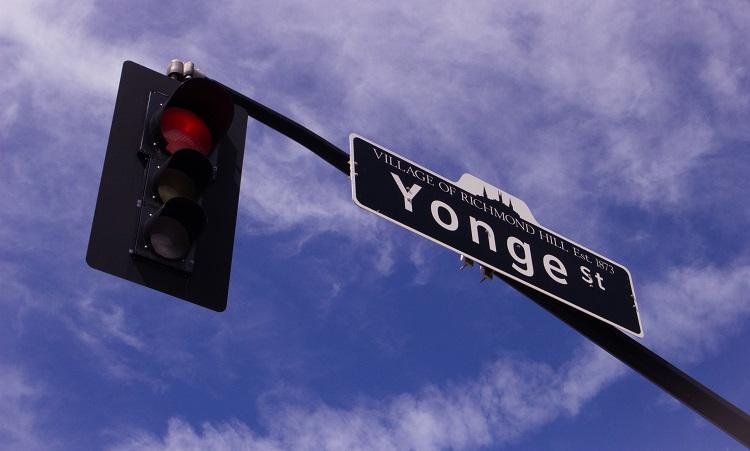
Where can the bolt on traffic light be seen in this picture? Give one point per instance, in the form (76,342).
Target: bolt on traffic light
(167,205)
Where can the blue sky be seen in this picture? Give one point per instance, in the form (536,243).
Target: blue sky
(624,126)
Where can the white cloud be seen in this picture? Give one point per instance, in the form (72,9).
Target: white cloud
(282,189)
(688,312)
(109,318)
(653,170)
(18,428)
(418,255)
(181,437)
(532,93)
(558,105)
(694,309)
(520,93)
(100,324)
(507,399)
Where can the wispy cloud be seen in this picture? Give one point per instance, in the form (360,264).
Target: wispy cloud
(507,399)
(103,329)
(568,109)
(688,312)
(694,309)
(571,109)
(18,397)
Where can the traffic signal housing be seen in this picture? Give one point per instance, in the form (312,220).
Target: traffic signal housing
(167,205)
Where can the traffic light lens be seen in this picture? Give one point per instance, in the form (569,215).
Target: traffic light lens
(172,230)
(182,128)
(169,238)
(185,174)
(175,183)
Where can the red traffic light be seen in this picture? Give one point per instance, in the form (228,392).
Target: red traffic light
(182,128)
(196,116)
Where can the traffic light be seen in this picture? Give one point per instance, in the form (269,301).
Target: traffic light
(167,206)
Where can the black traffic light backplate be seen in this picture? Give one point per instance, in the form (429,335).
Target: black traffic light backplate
(124,179)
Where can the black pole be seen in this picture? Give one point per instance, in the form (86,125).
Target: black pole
(723,414)
(681,386)
(282,124)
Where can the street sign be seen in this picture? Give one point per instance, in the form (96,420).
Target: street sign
(493,228)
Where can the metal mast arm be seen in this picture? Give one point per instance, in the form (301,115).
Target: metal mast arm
(650,365)
(287,127)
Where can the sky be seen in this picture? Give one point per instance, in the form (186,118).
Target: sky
(624,126)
